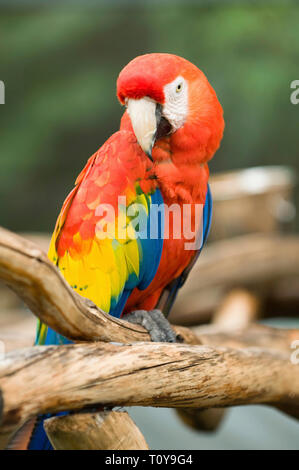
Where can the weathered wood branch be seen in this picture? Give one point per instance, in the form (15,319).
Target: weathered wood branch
(279,339)
(140,374)
(247,260)
(237,310)
(29,273)
(104,430)
(258,261)
(53,378)
(201,420)
(27,270)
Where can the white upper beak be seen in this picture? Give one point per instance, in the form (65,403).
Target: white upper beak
(142,113)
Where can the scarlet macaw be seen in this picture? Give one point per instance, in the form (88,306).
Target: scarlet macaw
(172,126)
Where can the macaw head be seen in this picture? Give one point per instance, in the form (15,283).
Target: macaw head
(167,97)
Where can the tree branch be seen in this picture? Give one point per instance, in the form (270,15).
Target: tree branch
(237,310)
(257,261)
(104,430)
(53,378)
(279,339)
(29,273)
(147,374)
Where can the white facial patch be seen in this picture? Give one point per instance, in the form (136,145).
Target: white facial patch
(175,108)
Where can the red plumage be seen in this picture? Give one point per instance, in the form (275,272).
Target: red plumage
(180,167)
(181,158)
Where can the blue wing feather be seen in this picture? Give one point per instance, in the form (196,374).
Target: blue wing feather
(177,283)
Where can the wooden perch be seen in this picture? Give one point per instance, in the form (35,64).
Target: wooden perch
(104,430)
(27,270)
(201,420)
(29,273)
(258,261)
(237,310)
(53,378)
(279,339)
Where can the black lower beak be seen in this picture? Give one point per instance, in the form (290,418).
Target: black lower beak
(149,153)
(163,129)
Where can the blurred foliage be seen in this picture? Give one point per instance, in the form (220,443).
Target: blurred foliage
(60,65)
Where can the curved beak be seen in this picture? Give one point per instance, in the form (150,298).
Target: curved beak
(145,115)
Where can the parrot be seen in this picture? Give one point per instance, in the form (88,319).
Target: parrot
(152,169)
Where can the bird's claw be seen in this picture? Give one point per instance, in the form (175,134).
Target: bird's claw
(155,323)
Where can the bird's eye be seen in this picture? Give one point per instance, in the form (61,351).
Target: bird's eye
(179,87)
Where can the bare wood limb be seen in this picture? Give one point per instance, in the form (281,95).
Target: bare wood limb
(247,260)
(27,271)
(162,376)
(279,339)
(238,308)
(256,261)
(104,430)
(201,420)
(142,374)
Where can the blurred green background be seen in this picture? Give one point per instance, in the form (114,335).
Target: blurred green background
(60,64)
